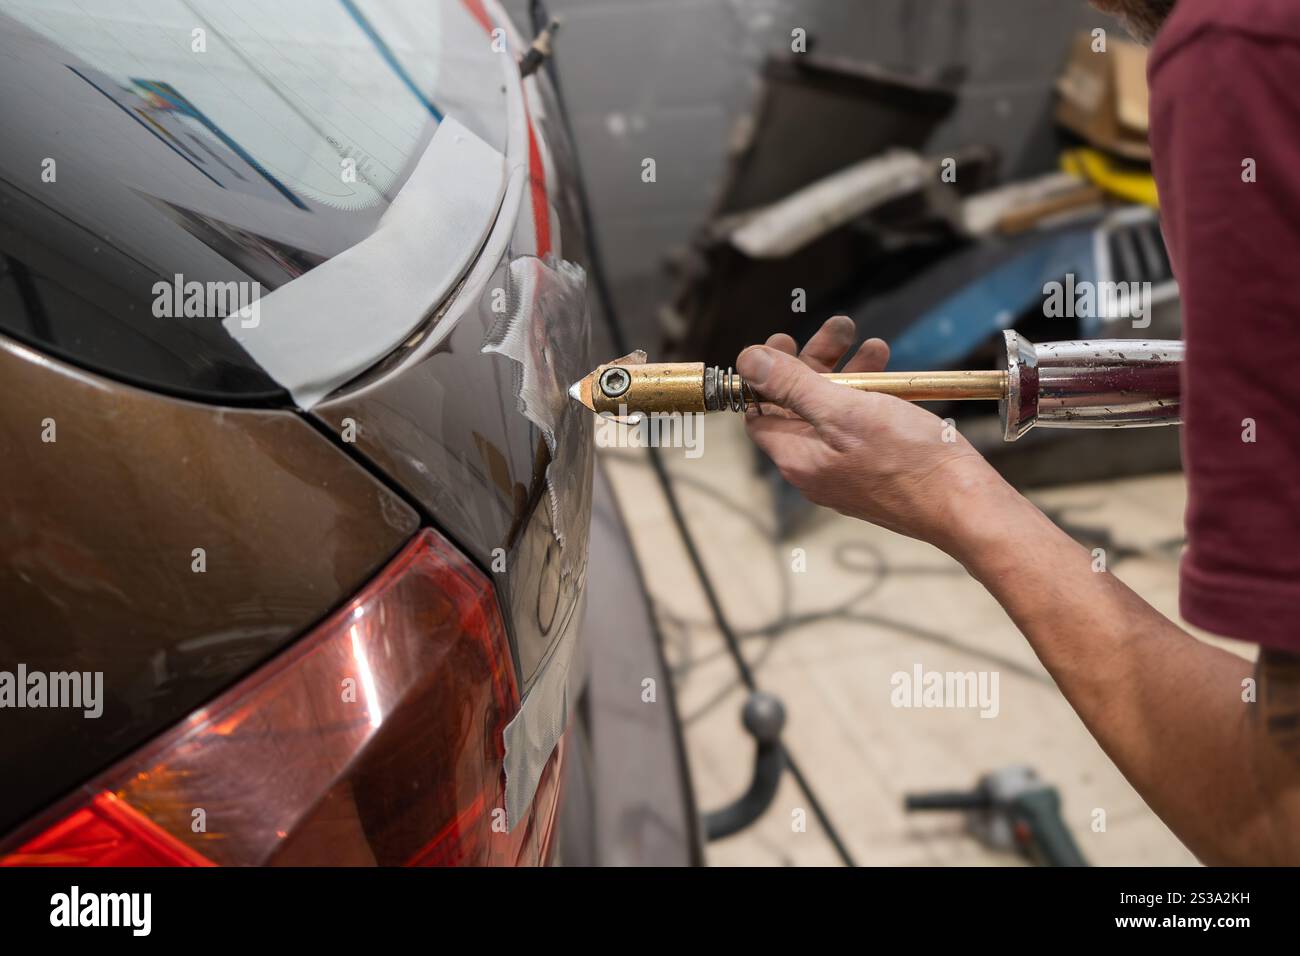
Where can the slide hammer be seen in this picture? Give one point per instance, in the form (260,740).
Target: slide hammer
(1107,383)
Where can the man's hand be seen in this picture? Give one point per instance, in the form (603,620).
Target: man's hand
(1168,709)
(869,456)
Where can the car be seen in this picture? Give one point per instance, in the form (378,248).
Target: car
(305,557)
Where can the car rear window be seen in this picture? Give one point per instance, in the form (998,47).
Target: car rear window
(168,161)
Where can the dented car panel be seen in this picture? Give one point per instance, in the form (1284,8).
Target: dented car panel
(451,423)
(478,396)
(519,320)
(454,416)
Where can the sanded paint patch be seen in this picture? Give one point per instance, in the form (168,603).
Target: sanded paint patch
(543,331)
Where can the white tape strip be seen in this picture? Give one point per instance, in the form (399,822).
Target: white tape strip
(324,328)
(542,719)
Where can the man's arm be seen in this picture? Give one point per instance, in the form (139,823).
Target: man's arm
(1168,709)
(1216,762)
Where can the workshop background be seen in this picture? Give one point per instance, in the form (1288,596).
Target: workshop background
(828,611)
(670,79)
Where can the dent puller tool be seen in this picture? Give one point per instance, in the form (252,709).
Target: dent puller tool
(1107,383)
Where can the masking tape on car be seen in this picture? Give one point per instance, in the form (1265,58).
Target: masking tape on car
(324,328)
(543,716)
(543,333)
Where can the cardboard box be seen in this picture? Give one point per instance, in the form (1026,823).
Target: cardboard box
(1103,97)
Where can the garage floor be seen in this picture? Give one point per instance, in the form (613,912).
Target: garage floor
(868,605)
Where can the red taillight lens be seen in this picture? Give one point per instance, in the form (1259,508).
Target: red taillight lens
(105,832)
(377,739)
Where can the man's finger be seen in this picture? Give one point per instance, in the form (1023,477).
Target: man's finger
(783,439)
(784,380)
(825,349)
(871,356)
(783,343)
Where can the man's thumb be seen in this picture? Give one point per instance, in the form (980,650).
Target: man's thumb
(784,380)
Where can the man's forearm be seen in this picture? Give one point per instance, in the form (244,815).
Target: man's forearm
(1168,709)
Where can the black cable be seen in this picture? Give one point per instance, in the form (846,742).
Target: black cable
(733,644)
(539,15)
(877,569)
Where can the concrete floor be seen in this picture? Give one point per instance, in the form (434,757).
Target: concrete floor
(868,605)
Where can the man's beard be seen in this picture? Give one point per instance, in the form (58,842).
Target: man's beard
(1142,18)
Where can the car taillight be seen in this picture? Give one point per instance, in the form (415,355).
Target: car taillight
(377,739)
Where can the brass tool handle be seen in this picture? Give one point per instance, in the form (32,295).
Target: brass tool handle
(691,387)
(956,386)
(1105,383)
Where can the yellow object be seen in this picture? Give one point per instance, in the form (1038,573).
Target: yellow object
(1118,179)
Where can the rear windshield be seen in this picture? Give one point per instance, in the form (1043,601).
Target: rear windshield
(165,162)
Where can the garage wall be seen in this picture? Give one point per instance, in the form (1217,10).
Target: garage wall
(668,78)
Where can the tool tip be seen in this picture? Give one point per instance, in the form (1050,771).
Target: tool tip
(580,392)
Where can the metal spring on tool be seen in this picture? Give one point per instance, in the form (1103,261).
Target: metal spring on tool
(725,390)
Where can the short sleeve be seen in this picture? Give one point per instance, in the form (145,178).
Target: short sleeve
(1225,130)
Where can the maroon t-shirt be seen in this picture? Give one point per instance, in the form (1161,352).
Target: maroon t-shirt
(1225,132)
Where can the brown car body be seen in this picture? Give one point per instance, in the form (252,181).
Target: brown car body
(169,518)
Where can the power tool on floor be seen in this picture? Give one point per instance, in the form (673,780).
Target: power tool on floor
(1010,809)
